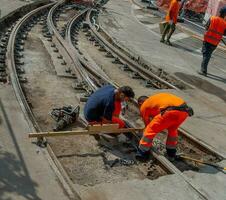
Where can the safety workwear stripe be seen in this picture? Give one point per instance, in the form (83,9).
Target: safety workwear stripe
(213,38)
(172,139)
(145,139)
(169,146)
(216,32)
(144,148)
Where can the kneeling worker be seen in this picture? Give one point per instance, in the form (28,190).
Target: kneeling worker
(167,112)
(104,105)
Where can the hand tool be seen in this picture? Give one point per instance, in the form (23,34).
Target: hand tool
(184,157)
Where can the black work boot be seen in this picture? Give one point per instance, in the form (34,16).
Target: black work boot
(142,156)
(168,43)
(171,31)
(171,154)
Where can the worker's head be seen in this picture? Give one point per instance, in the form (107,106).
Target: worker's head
(141,100)
(223,12)
(124,93)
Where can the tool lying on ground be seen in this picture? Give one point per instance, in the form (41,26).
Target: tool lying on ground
(90,130)
(184,157)
(64,116)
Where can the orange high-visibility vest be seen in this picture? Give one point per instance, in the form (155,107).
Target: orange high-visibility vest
(173,11)
(215,31)
(154,104)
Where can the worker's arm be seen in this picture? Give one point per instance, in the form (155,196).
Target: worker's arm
(145,116)
(207,25)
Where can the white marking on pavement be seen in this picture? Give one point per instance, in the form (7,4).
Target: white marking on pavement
(135,7)
(140,16)
(179,36)
(152,26)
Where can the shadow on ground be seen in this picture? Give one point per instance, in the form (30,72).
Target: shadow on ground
(15,180)
(202,84)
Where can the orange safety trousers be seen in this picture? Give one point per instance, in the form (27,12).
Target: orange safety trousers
(115,119)
(170,120)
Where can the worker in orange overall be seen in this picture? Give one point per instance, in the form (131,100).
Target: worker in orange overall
(159,112)
(171,19)
(215,29)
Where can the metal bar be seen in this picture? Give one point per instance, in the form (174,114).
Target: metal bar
(82,132)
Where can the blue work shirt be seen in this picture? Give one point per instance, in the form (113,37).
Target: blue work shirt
(100,104)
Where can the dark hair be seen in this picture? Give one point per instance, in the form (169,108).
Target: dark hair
(223,12)
(128,91)
(141,99)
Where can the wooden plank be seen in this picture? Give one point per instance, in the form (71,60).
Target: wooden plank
(104,127)
(82,132)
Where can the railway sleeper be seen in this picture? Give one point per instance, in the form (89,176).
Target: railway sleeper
(20,70)
(136,75)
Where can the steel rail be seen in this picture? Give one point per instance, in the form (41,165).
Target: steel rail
(131,63)
(168,165)
(91,70)
(81,73)
(32,123)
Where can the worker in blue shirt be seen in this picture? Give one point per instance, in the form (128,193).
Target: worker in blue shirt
(104,105)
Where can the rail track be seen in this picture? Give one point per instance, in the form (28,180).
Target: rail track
(89,76)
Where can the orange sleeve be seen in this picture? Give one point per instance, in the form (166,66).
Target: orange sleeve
(145,116)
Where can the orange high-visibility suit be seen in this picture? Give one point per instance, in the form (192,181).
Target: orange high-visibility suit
(170,120)
(215,31)
(173,11)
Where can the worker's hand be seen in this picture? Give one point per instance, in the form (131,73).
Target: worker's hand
(124,108)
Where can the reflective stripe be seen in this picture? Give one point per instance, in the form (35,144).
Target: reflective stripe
(172,139)
(213,38)
(144,148)
(214,31)
(145,139)
(168,146)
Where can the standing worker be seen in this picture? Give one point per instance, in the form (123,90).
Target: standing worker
(171,19)
(215,29)
(167,112)
(104,105)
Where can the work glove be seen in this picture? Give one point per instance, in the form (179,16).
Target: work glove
(142,156)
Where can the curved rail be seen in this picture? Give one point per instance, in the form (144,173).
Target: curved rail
(33,125)
(102,78)
(142,71)
(12,68)
(81,73)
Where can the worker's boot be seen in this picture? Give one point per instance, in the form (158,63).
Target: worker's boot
(171,154)
(142,156)
(171,31)
(165,31)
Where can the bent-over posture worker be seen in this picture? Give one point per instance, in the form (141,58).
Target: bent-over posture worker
(215,29)
(159,112)
(171,19)
(104,105)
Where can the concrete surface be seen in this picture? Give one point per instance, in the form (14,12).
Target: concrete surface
(25,172)
(8,6)
(139,33)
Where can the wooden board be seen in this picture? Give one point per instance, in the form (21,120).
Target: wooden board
(82,132)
